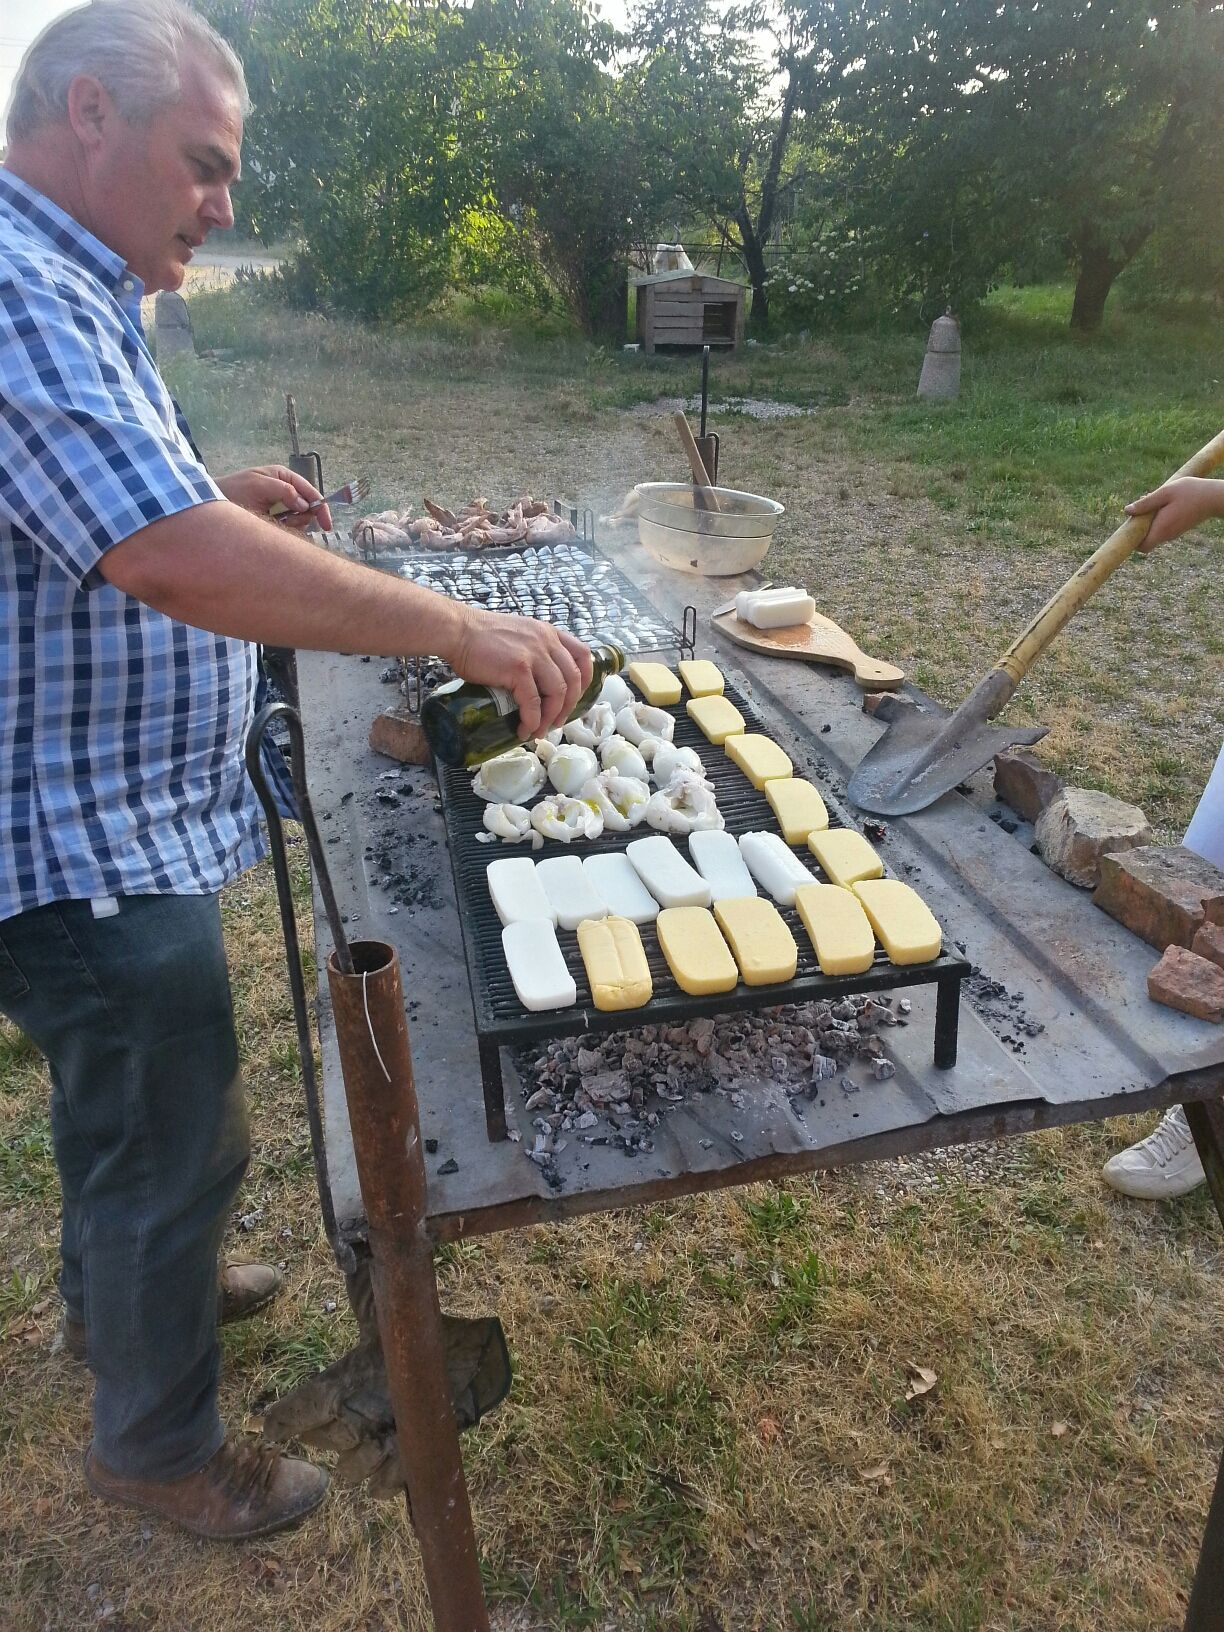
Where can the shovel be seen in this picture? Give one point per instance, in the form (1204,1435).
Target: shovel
(925,754)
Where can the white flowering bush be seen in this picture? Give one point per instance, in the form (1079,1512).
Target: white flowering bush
(823,279)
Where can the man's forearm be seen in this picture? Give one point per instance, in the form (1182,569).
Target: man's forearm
(220,568)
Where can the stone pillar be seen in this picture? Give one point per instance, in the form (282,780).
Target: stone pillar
(940,381)
(172,327)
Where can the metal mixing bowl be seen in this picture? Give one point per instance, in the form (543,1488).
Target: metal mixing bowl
(675,530)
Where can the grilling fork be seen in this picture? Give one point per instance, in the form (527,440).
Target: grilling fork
(351,493)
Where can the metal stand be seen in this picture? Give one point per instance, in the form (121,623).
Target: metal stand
(376,1065)
(372,1034)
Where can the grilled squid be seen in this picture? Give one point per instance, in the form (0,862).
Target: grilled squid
(593,727)
(509,822)
(509,778)
(620,800)
(639,720)
(616,754)
(569,767)
(685,805)
(566,820)
(668,759)
(615,693)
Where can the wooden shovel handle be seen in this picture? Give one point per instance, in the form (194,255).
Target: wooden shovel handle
(705,493)
(1085,582)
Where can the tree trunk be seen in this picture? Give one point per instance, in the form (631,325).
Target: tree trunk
(1096,277)
(754,260)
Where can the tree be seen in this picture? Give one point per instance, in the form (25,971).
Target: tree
(973,127)
(358,145)
(733,84)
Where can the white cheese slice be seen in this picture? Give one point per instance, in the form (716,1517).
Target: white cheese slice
(666,874)
(716,856)
(537,965)
(776,868)
(615,880)
(570,892)
(517,892)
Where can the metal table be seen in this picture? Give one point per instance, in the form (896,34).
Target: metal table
(1105,1049)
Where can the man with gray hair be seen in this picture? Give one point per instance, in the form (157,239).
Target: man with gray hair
(131,588)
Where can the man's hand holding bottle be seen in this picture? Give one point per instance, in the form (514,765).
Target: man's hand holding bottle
(546,669)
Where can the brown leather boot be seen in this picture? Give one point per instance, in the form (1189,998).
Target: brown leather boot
(245,1490)
(242,1288)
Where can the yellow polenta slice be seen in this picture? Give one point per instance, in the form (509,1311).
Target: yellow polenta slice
(763,946)
(656,682)
(717,717)
(797,805)
(702,677)
(758,757)
(615,962)
(696,953)
(838,928)
(844,855)
(905,925)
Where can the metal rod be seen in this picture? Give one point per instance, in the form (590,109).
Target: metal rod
(293,958)
(705,386)
(372,1035)
(494,1088)
(947,1022)
(291,416)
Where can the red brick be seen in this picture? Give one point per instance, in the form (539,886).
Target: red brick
(398,734)
(1162,894)
(1184,981)
(1209,943)
(1024,783)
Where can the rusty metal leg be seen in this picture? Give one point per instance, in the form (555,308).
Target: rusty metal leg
(372,1033)
(494,1088)
(1206,1611)
(1206,1119)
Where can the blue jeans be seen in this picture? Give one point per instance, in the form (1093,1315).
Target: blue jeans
(134,1014)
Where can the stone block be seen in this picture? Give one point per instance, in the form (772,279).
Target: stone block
(1184,981)
(1209,943)
(1024,783)
(1080,825)
(172,326)
(886,705)
(1162,894)
(397,733)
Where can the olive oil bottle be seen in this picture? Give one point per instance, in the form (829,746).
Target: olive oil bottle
(466,724)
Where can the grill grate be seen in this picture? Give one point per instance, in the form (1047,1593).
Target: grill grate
(571,585)
(501,1018)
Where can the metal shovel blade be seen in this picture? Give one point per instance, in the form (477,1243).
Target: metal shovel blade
(923,755)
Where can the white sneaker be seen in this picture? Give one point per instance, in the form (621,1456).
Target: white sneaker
(1164,1164)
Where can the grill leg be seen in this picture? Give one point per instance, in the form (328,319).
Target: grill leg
(947,1023)
(1206,1609)
(494,1089)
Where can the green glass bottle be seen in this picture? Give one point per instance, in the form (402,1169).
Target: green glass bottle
(466,724)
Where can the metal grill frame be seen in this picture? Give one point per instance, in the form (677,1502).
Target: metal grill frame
(501,1019)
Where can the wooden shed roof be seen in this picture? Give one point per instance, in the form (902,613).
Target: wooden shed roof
(703,280)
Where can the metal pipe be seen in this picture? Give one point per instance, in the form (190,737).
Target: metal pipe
(1205,1612)
(372,1035)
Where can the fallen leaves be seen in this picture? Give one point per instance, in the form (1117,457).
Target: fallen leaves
(922,1380)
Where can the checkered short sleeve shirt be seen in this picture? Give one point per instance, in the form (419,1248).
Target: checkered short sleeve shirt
(121,730)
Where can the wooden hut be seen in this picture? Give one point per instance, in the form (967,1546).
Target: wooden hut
(689,309)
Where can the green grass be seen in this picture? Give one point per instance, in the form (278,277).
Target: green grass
(708,1430)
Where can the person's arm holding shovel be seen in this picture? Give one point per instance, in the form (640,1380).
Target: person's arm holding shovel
(1177,506)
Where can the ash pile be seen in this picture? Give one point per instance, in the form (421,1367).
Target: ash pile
(615,1090)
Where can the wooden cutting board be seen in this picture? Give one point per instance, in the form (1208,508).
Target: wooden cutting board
(820,641)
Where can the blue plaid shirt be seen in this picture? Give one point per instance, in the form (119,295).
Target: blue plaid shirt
(121,731)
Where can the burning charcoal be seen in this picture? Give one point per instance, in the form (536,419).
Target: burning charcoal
(883,1069)
(823,1068)
(540,1097)
(904,1005)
